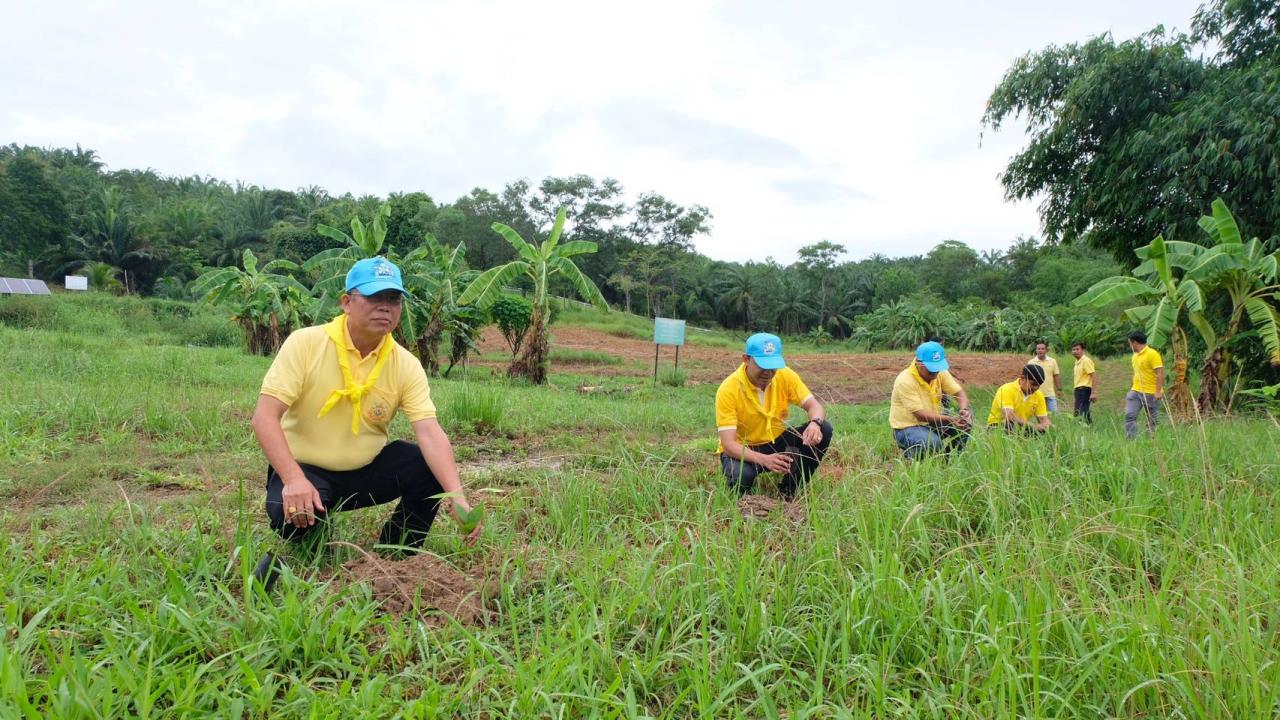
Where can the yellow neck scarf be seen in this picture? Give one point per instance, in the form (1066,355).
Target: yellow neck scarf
(353,391)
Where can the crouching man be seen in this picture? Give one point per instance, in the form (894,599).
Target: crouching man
(752,406)
(920,427)
(1019,406)
(323,414)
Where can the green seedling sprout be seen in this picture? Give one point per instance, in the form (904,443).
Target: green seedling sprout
(467,519)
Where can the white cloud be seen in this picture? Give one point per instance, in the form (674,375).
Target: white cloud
(793,121)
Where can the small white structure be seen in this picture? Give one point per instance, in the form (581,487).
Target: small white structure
(76,282)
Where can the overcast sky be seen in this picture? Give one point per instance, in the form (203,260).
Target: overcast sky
(796,121)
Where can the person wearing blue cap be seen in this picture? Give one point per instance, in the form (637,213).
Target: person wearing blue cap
(322,417)
(752,406)
(915,408)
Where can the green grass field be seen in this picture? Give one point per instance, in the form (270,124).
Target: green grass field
(1077,576)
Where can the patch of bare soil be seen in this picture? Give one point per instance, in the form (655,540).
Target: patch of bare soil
(761,507)
(421,584)
(857,378)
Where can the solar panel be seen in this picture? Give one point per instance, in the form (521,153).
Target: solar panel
(23,286)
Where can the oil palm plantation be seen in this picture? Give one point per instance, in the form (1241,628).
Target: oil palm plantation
(110,236)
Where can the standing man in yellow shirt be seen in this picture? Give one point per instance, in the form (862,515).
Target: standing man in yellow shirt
(1052,378)
(915,408)
(752,406)
(1017,402)
(1086,383)
(1148,385)
(322,419)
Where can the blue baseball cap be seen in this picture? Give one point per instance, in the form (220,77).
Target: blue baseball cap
(766,350)
(933,356)
(373,275)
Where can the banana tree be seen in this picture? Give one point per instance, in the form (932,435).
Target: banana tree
(331,266)
(365,241)
(266,303)
(540,263)
(434,276)
(1168,298)
(1247,274)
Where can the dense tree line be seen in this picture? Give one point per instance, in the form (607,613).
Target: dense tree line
(142,232)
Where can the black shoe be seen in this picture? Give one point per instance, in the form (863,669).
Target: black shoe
(267,571)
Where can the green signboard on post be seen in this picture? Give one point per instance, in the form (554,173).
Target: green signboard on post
(668,332)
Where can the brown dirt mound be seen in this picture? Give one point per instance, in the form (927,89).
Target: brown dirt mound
(421,583)
(760,507)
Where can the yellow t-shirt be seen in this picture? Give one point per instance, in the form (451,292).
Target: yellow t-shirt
(911,393)
(1050,369)
(1083,369)
(1024,406)
(304,374)
(1145,364)
(758,416)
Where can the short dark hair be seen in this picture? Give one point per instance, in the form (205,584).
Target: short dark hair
(1138,336)
(1034,373)
(1079,344)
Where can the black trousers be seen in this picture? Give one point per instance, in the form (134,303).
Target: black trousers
(741,476)
(397,473)
(1083,404)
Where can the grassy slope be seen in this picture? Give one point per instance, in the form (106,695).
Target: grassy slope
(1080,576)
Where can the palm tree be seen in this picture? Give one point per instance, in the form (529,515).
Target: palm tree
(307,200)
(266,303)
(737,288)
(110,235)
(795,305)
(331,266)
(228,247)
(102,276)
(540,263)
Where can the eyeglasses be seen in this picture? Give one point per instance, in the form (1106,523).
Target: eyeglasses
(390,298)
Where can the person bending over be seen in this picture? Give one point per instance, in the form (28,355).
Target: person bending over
(920,427)
(1019,405)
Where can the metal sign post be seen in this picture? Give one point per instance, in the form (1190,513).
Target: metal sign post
(666,331)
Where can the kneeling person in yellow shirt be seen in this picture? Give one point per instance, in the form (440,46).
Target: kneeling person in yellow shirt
(752,406)
(1017,402)
(322,419)
(920,427)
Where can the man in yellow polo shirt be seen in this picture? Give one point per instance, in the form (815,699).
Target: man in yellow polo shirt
(752,406)
(323,414)
(915,407)
(1086,383)
(1148,385)
(1020,401)
(1052,377)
